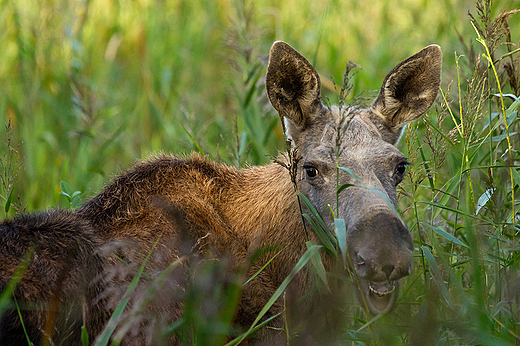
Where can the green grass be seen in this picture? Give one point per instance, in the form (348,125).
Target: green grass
(89,87)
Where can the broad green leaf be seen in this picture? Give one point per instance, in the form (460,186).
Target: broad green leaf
(9,200)
(84,336)
(76,202)
(482,200)
(516,177)
(327,238)
(453,210)
(436,274)
(341,233)
(499,138)
(317,263)
(65,188)
(445,234)
(322,236)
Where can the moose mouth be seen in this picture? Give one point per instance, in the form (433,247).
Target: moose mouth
(380,297)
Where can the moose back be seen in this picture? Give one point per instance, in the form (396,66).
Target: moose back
(168,216)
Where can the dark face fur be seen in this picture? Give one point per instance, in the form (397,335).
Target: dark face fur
(362,140)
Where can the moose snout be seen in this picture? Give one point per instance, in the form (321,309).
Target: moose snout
(380,247)
(376,269)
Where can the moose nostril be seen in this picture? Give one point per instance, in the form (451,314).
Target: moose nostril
(360,260)
(388,269)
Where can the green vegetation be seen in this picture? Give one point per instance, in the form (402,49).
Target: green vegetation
(89,86)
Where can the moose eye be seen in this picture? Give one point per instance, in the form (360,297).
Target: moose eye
(400,170)
(311,172)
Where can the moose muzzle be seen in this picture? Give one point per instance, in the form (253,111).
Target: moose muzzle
(380,249)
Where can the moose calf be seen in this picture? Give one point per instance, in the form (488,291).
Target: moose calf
(169,215)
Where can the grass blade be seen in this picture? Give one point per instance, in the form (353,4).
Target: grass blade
(317,263)
(311,251)
(444,234)
(261,269)
(436,274)
(104,337)
(9,200)
(5,297)
(341,232)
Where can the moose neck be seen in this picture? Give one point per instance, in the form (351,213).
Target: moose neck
(262,202)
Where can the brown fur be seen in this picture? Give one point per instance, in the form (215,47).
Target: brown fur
(191,211)
(56,280)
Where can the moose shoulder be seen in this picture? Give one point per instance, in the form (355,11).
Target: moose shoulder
(183,210)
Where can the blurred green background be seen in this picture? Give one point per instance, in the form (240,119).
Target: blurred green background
(91,86)
(88,87)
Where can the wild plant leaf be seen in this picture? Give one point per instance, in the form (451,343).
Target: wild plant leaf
(514,97)
(84,336)
(313,210)
(65,189)
(252,89)
(444,234)
(319,268)
(172,328)
(499,307)
(104,337)
(499,138)
(516,176)
(7,291)
(436,274)
(447,192)
(492,117)
(327,238)
(322,236)
(22,322)
(513,107)
(301,263)
(157,283)
(9,200)
(341,233)
(368,323)
(453,210)
(343,187)
(76,202)
(261,269)
(249,332)
(243,144)
(199,149)
(349,172)
(484,198)
(386,199)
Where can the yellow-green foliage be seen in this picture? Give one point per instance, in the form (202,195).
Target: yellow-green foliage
(89,86)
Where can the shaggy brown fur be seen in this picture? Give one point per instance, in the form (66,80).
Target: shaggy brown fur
(176,215)
(56,281)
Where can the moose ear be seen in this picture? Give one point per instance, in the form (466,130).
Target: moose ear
(293,87)
(408,91)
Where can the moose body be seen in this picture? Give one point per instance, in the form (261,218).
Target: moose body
(186,211)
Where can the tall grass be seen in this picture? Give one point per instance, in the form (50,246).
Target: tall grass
(87,87)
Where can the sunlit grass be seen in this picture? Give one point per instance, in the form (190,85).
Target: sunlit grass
(89,87)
